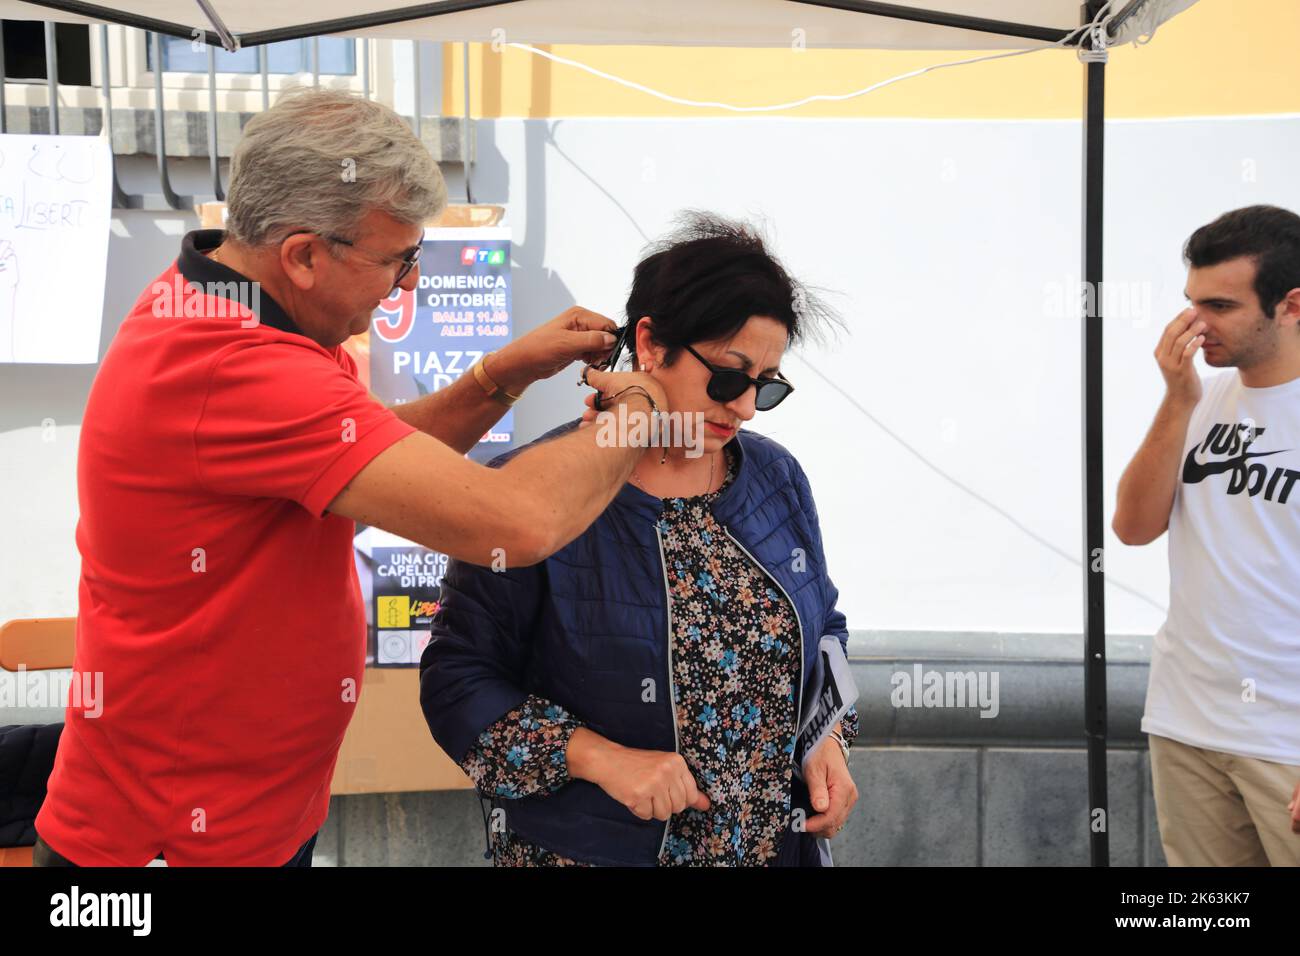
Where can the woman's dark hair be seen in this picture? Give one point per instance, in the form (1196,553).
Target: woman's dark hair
(704,281)
(1267,234)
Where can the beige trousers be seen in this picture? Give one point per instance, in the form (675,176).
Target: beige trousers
(1218,809)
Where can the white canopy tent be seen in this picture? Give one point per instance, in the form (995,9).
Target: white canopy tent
(1091,26)
(858,24)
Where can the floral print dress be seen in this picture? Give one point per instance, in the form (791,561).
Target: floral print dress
(736,667)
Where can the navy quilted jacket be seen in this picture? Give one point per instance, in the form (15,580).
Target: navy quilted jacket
(588,629)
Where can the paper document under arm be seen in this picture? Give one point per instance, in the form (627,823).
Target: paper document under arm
(829,696)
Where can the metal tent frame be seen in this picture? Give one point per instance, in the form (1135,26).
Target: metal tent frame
(1092,44)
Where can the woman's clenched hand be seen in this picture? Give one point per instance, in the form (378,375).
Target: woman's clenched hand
(653,784)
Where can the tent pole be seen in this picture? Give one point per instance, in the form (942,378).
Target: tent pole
(1094,608)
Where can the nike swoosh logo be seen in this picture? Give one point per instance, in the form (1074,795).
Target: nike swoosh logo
(1194,471)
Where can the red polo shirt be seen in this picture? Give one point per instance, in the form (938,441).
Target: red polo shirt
(218,599)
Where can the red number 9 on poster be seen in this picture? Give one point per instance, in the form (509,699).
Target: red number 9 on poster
(395,316)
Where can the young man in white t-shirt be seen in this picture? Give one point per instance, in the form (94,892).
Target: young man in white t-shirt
(1219,469)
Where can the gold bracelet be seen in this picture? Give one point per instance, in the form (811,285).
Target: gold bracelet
(491,387)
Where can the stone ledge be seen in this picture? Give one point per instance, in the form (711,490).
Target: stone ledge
(1038,701)
(991,645)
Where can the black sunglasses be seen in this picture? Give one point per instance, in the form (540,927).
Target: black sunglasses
(728,384)
(725,384)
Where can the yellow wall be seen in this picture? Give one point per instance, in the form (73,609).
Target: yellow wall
(1221,57)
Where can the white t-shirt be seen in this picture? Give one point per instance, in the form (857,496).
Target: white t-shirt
(1225,668)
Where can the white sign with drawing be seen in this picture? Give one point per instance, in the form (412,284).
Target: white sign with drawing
(55,204)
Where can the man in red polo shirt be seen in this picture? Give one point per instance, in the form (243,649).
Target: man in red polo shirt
(227,450)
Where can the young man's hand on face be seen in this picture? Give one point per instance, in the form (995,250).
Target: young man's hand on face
(1175,354)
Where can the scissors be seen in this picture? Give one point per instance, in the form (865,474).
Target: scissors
(620,343)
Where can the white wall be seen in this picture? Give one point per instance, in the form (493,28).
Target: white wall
(952,247)
(955,246)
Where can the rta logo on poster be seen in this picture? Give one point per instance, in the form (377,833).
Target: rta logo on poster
(472,255)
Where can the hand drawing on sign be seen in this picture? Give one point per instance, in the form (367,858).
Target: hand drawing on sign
(55,222)
(49,202)
(8,291)
(62,164)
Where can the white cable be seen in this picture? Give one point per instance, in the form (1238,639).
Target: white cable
(1152,16)
(818,97)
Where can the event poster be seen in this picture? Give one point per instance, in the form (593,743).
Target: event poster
(424,340)
(419,342)
(400,584)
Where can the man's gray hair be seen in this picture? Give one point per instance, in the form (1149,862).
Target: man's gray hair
(320,160)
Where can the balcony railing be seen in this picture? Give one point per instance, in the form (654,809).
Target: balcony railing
(166,114)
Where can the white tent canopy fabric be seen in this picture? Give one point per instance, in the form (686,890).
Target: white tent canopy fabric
(852,24)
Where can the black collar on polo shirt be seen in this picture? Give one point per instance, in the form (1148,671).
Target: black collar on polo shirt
(211,276)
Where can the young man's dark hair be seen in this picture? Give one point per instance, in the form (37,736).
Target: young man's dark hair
(1267,234)
(704,281)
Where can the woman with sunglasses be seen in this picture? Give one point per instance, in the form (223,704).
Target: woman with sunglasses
(635,698)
